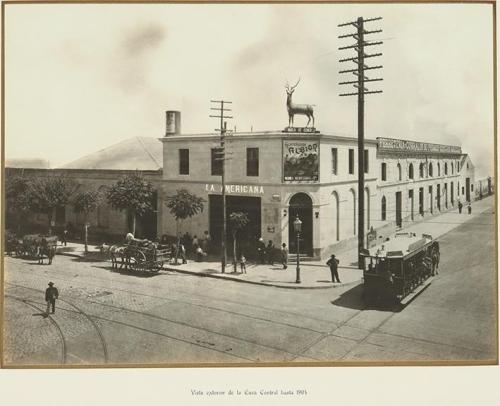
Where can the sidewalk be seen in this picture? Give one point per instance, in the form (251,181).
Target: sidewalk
(314,274)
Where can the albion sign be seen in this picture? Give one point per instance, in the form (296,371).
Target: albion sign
(244,189)
(391,144)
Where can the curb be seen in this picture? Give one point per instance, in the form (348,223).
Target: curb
(234,279)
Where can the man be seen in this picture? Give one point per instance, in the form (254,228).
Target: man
(460,207)
(333,263)
(284,256)
(51,294)
(270,253)
(261,250)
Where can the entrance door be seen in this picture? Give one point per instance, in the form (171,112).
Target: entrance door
(421,201)
(301,205)
(399,220)
(452,198)
(467,189)
(248,236)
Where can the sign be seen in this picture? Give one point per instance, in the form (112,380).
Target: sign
(300,130)
(391,144)
(236,189)
(300,161)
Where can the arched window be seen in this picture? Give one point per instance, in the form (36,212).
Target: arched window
(421,170)
(384,171)
(399,172)
(430,169)
(451,167)
(446,168)
(410,171)
(439,169)
(458,166)
(383,208)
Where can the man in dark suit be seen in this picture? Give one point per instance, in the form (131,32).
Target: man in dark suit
(51,294)
(333,263)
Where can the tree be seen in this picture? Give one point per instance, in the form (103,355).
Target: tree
(183,205)
(86,202)
(133,194)
(44,195)
(16,200)
(237,221)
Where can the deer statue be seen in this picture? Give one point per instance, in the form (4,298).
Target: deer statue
(304,109)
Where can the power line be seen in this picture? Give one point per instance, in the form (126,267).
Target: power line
(361,90)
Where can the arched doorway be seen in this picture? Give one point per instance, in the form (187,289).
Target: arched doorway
(301,205)
(352,209)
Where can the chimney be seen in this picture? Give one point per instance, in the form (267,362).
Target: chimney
(173,123)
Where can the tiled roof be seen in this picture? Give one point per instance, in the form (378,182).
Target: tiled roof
(138,153)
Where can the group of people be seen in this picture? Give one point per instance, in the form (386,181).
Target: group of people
(460,206)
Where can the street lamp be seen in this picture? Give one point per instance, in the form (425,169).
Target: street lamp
(297,226)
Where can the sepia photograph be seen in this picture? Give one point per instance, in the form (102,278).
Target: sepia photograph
(245,184)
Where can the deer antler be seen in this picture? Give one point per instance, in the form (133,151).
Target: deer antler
(293,87)
(287,86)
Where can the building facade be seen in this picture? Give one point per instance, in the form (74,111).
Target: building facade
(276,176)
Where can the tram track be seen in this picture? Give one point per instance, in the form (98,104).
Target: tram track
(64,348)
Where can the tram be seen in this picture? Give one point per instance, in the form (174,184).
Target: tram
(397,268)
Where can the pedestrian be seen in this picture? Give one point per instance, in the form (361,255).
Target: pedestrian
(195,244)
(469,208)
(261,250)
(205,243)
(243,262)
(182,253)
(270,253)
(284,256)
(333,263)
(51,294)
(199,254)
(460,207)
(64,237)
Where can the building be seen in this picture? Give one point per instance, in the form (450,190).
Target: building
(276,176)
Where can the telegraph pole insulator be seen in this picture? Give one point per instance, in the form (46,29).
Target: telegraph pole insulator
(361,91)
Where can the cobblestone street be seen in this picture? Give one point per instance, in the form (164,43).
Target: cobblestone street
(105,316)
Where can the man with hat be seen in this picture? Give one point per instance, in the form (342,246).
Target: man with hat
(51,294)
(333,263)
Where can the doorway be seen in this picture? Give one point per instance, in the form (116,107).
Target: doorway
(301,205)
(399,219)
(467,189)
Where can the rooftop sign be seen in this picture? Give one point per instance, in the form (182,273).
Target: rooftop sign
(391,144)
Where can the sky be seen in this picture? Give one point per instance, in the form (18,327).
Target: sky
(81,77)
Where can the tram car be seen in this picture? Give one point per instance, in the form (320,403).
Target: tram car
(397,268)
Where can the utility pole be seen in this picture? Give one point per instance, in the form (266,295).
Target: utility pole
(359,84)
(221,156)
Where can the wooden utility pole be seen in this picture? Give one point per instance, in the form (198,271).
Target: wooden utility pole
(221,156)
(359,84)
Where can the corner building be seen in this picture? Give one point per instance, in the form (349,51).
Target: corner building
(275,176)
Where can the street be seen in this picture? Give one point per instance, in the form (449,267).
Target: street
(106,316)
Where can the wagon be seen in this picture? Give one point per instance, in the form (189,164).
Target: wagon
(144,256)
(32,242)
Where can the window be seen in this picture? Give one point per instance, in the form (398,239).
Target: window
(252,161)
(384,171)
(451,167)
(430,169)
(463,190)
(446,168)
(184,162)
(458,166)
(399,172)
(351,161)
(472,188)
(421,170)
(439,169)
(410,171)
(334,160)
(216,161)
(366,161)
(384,214)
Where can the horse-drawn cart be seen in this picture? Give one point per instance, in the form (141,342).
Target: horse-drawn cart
(37,246)
(140,256)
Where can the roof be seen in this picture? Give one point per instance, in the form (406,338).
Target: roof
(401,243)
(138,153)
(36,163)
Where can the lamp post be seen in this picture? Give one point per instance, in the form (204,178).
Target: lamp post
(297,225)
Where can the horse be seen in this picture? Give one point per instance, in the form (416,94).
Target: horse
(46,247)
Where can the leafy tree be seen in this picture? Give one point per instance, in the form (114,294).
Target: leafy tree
(16,200)
(44,195)
(86,202)
(183,205)
(133,194)
(237,221)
